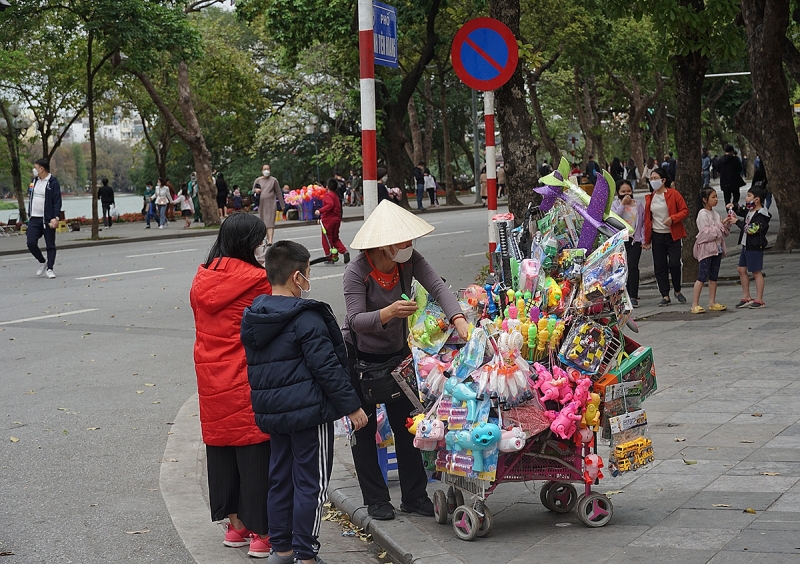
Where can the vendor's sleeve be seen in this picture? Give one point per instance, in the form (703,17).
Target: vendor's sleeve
(355,299)
(426,275)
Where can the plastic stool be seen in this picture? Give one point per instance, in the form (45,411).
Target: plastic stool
(387,461)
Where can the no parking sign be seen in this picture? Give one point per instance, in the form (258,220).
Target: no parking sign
(484,54)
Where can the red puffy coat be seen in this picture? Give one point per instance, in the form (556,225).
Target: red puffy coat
(218,296)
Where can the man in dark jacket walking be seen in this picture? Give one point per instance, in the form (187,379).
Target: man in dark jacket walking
(44,211)
(106,195)
(419,179)
(730,176)
(297,368)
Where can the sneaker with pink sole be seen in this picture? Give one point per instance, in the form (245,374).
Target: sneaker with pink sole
(259,548)
(236,539)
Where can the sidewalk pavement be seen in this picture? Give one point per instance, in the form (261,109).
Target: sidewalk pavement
(725,486)
(135,232)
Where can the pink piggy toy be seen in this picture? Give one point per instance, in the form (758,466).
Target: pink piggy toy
(565,391)
(566,423)
(549,388)
(581,394)
(512,440)
(592,464)
(429,433)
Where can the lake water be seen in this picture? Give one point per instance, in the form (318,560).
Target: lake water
(77,206)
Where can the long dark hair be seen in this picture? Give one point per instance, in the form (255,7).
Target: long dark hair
(238,237)
(702,195)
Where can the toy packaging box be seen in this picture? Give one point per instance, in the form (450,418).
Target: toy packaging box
(639,366)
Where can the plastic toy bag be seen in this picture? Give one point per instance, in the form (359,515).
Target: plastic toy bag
(619,399)
(606,269)
(383,433)
(631,448)
(584,346)
(431,330)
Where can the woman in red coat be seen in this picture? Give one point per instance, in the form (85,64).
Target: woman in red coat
(237,451)
(664,213)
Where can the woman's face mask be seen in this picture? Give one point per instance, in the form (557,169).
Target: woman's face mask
(261,253)
(400,255)
(265,172)
(656,184)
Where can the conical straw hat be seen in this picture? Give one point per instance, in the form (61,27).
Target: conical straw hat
(390,224)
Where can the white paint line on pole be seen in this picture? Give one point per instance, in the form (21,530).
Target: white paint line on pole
(119,273)
(47,316)
(161,253)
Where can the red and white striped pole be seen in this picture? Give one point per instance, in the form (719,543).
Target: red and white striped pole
(369,147)
(491,166)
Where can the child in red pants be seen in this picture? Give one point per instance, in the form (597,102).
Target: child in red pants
(330,215)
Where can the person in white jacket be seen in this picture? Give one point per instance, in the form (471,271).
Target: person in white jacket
(162,199)
(187,206)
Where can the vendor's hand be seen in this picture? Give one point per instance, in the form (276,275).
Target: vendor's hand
(403,309)
(358,418)
(53,223)
(668,221)
(462,327)
(646,246)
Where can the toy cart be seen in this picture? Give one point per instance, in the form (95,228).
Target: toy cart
(544,457)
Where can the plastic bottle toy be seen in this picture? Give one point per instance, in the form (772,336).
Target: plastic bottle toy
(481,438)
(462,392)
(591,415)
(592,464)
(429,433)
(566,423)
(512,440)
(471,356)
(532,330)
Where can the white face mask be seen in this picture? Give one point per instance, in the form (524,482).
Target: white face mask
(400,255)
(304,294)
(265,172)
(261,253)
(656,184)
(35,172)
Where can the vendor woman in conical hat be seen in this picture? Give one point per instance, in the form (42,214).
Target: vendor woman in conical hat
(374,283)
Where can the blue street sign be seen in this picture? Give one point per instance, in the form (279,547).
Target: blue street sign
(384,34)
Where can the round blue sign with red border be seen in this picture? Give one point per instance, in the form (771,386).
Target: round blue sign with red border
(484,54)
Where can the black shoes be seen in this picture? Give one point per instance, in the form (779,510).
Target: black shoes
(681,298)
(383,511)
(422,506)
(346,257)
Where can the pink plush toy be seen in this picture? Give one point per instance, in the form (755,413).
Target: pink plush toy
(549,388)
(429,433)
(581,394)
(566,423)
(512,440)
(592,465)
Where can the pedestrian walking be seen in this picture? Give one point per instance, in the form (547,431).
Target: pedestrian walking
(430,188)
(648,169)
(44,211)
(330,216)
(632,212)
(419,179)
(297,368)
(753,238)
(730,175)
(184,200)
(592,169)
(631,173)
(270,199)
(375,286)
(705,165)
(106,195)
(484,180)
(222,196)
(162,198)
(194,192)
(237,451)
(617,171)
(709,249)
(501,180)
(664,213)
(148,209)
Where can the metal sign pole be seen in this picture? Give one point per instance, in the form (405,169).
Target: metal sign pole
(369,147)
(491,166)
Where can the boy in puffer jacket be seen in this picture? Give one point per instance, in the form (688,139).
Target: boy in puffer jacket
(753,238)
(297,368)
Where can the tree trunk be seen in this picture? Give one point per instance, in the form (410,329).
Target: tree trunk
(766,118)
(13,152)
(548,142)
(449,186)
(92,144)
(427,137)
(690,73)
(586,103)
(511,111)
(416,150)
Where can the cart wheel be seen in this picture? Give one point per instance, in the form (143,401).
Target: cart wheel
(561,497)
(440,506)
(466,522)
(595,510)
(486,522)
(543,494)
(459,496)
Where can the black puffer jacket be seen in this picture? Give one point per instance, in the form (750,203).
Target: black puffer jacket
(296,364)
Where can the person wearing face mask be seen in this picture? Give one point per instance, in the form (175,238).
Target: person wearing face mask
(44,210)
(297,368)
(194,193)
(632,212)
(237,451)
(374,286)
(664,213)
(270,199)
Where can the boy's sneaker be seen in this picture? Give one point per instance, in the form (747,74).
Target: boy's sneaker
(422,506)
(664,302)
(755,304)
(259,548)
(743,304)
(236,538)
(382,511)
(49,273)
(42,268)
(278,559)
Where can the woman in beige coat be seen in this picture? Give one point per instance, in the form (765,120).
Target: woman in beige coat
(269,190)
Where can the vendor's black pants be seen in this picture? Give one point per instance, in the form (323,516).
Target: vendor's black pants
(666,262)
(413,479)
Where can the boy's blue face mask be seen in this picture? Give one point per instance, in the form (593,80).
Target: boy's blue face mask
(750,205)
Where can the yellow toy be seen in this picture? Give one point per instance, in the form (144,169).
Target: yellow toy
(591,415)
(412,422)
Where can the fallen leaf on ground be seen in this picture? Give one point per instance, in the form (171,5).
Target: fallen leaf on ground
(155,402)
(770,474)
(143,531)
(680,440)
(63,409)
(750,510)
(613,492)
(382,554)
(139,391)
(755,415)
(92,428)
(14,439)
(712,448)
(6,553)
(93,505)
(720,505)
(748,442)
(689,461)
(149,385)
(171,459)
